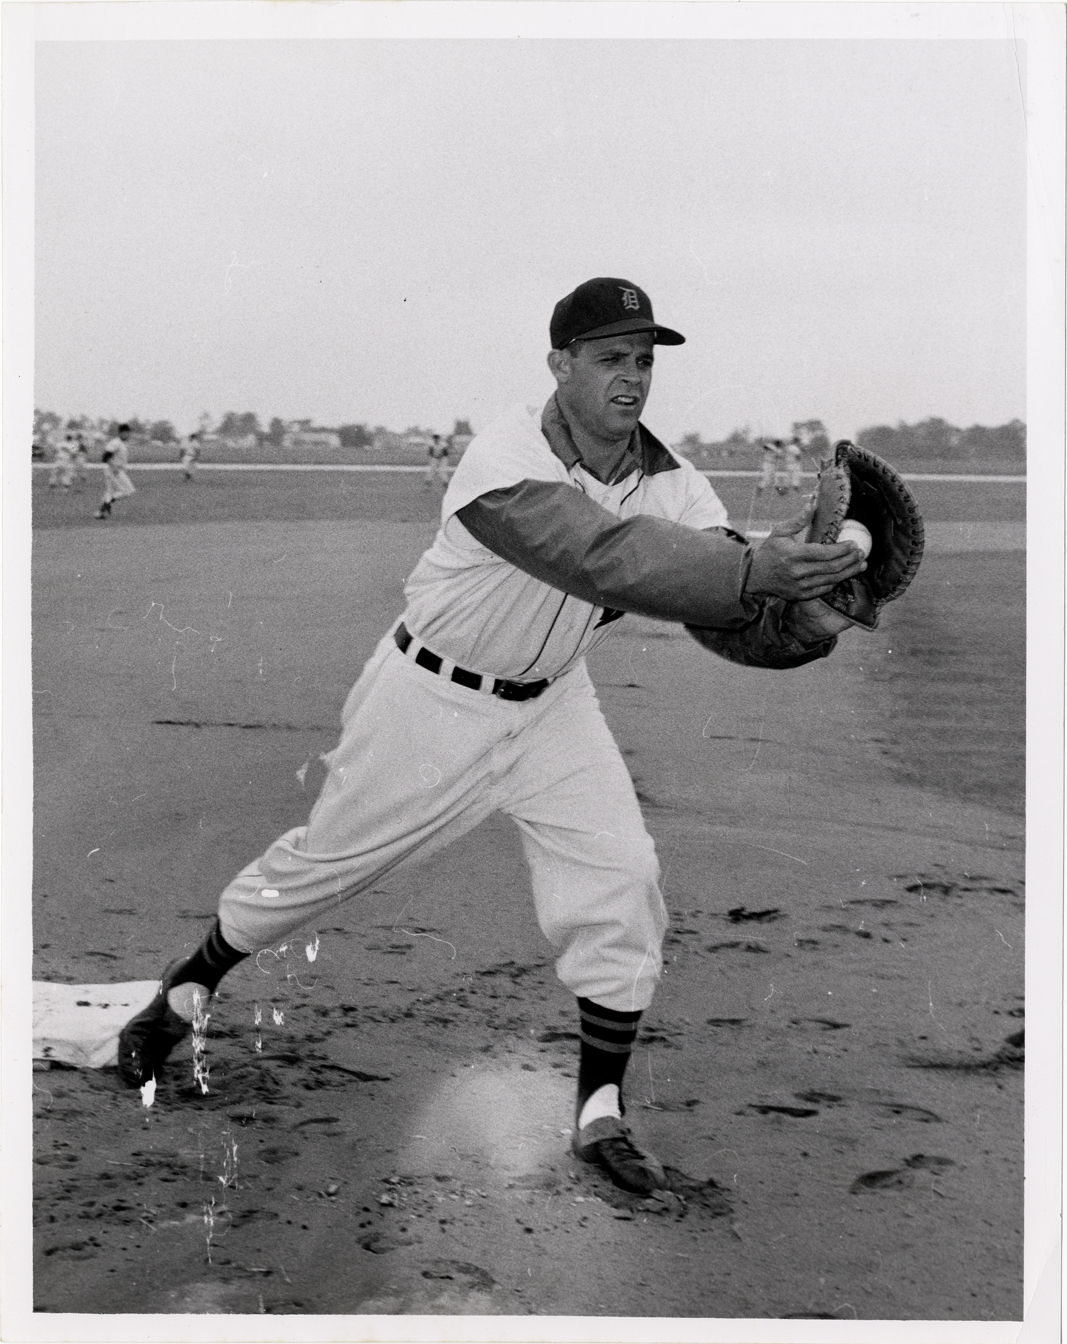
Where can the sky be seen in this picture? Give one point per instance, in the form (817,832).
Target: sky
(376,231)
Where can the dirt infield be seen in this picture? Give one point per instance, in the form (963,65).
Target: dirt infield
(832,1069)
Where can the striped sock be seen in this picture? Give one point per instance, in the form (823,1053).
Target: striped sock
(607,1037)
(209,963)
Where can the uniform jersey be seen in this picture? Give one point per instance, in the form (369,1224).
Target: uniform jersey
(120,454)
(475,606)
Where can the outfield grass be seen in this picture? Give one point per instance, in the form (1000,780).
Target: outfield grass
(166,497)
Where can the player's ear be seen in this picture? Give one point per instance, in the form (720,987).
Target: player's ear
(559,361)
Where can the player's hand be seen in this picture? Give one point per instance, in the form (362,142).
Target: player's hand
(785,565)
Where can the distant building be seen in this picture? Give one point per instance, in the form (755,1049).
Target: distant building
(415,441)
(249,440)
(303,434)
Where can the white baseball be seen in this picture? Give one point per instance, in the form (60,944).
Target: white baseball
(857,534)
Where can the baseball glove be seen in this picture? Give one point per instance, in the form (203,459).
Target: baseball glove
(854,483)
(106,455)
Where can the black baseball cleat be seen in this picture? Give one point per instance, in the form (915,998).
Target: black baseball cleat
(148,1038)
(608,1143)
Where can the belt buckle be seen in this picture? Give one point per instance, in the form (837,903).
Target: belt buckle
(517,690)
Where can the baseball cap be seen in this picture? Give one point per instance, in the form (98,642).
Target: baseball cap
(606,307)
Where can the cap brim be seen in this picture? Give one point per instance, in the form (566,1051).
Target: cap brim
(630,326)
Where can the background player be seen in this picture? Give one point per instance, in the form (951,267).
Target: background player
(62,472)
(117,483)
(81,461)
(437,462)
(768,464)
(791,466)
(190,454)
(556,521)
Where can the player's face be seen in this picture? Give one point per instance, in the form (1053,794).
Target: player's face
(604,384)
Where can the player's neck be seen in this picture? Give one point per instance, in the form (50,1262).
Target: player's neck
(608,460)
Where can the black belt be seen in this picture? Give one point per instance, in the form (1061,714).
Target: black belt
(503,690)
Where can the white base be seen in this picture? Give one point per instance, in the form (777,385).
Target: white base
(80,1024)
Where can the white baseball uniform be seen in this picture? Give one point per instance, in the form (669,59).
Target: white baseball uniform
(190,455)
(792,464)
(768,464)
(437,463)
(479,700)
(62,472)
(117,483)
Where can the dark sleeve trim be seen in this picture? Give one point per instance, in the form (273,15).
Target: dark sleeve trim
(646,565)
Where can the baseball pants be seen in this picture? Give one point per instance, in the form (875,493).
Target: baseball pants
(117,483)
(62,473)
(421,761)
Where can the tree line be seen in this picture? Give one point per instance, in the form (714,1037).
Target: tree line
(933,439)
(237,426)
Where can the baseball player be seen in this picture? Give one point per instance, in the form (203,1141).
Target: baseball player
(190,455)
(556,522)
(62,472)
(791,466)
(768,465)
(117,483)
(81,461)
(437,462)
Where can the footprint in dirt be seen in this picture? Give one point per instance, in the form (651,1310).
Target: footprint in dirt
(892,1179)
(925,885)
(1010,1055)
(460,1272)
(740,915)
(902,1110)
(381,1243)
(439,1287)
(901,1178)
(682,1196)
(768,1108)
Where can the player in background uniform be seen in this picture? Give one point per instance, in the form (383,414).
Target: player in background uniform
(62,472)
(791,455)
(768,466)
(81,461)
(437,462)
(781,473)
(557,521)
(117,483)
(190,455)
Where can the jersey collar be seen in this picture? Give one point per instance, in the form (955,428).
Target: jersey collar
(645,449)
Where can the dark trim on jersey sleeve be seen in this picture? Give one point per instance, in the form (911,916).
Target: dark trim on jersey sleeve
(646,565)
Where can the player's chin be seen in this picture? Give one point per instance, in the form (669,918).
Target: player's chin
(623,417)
